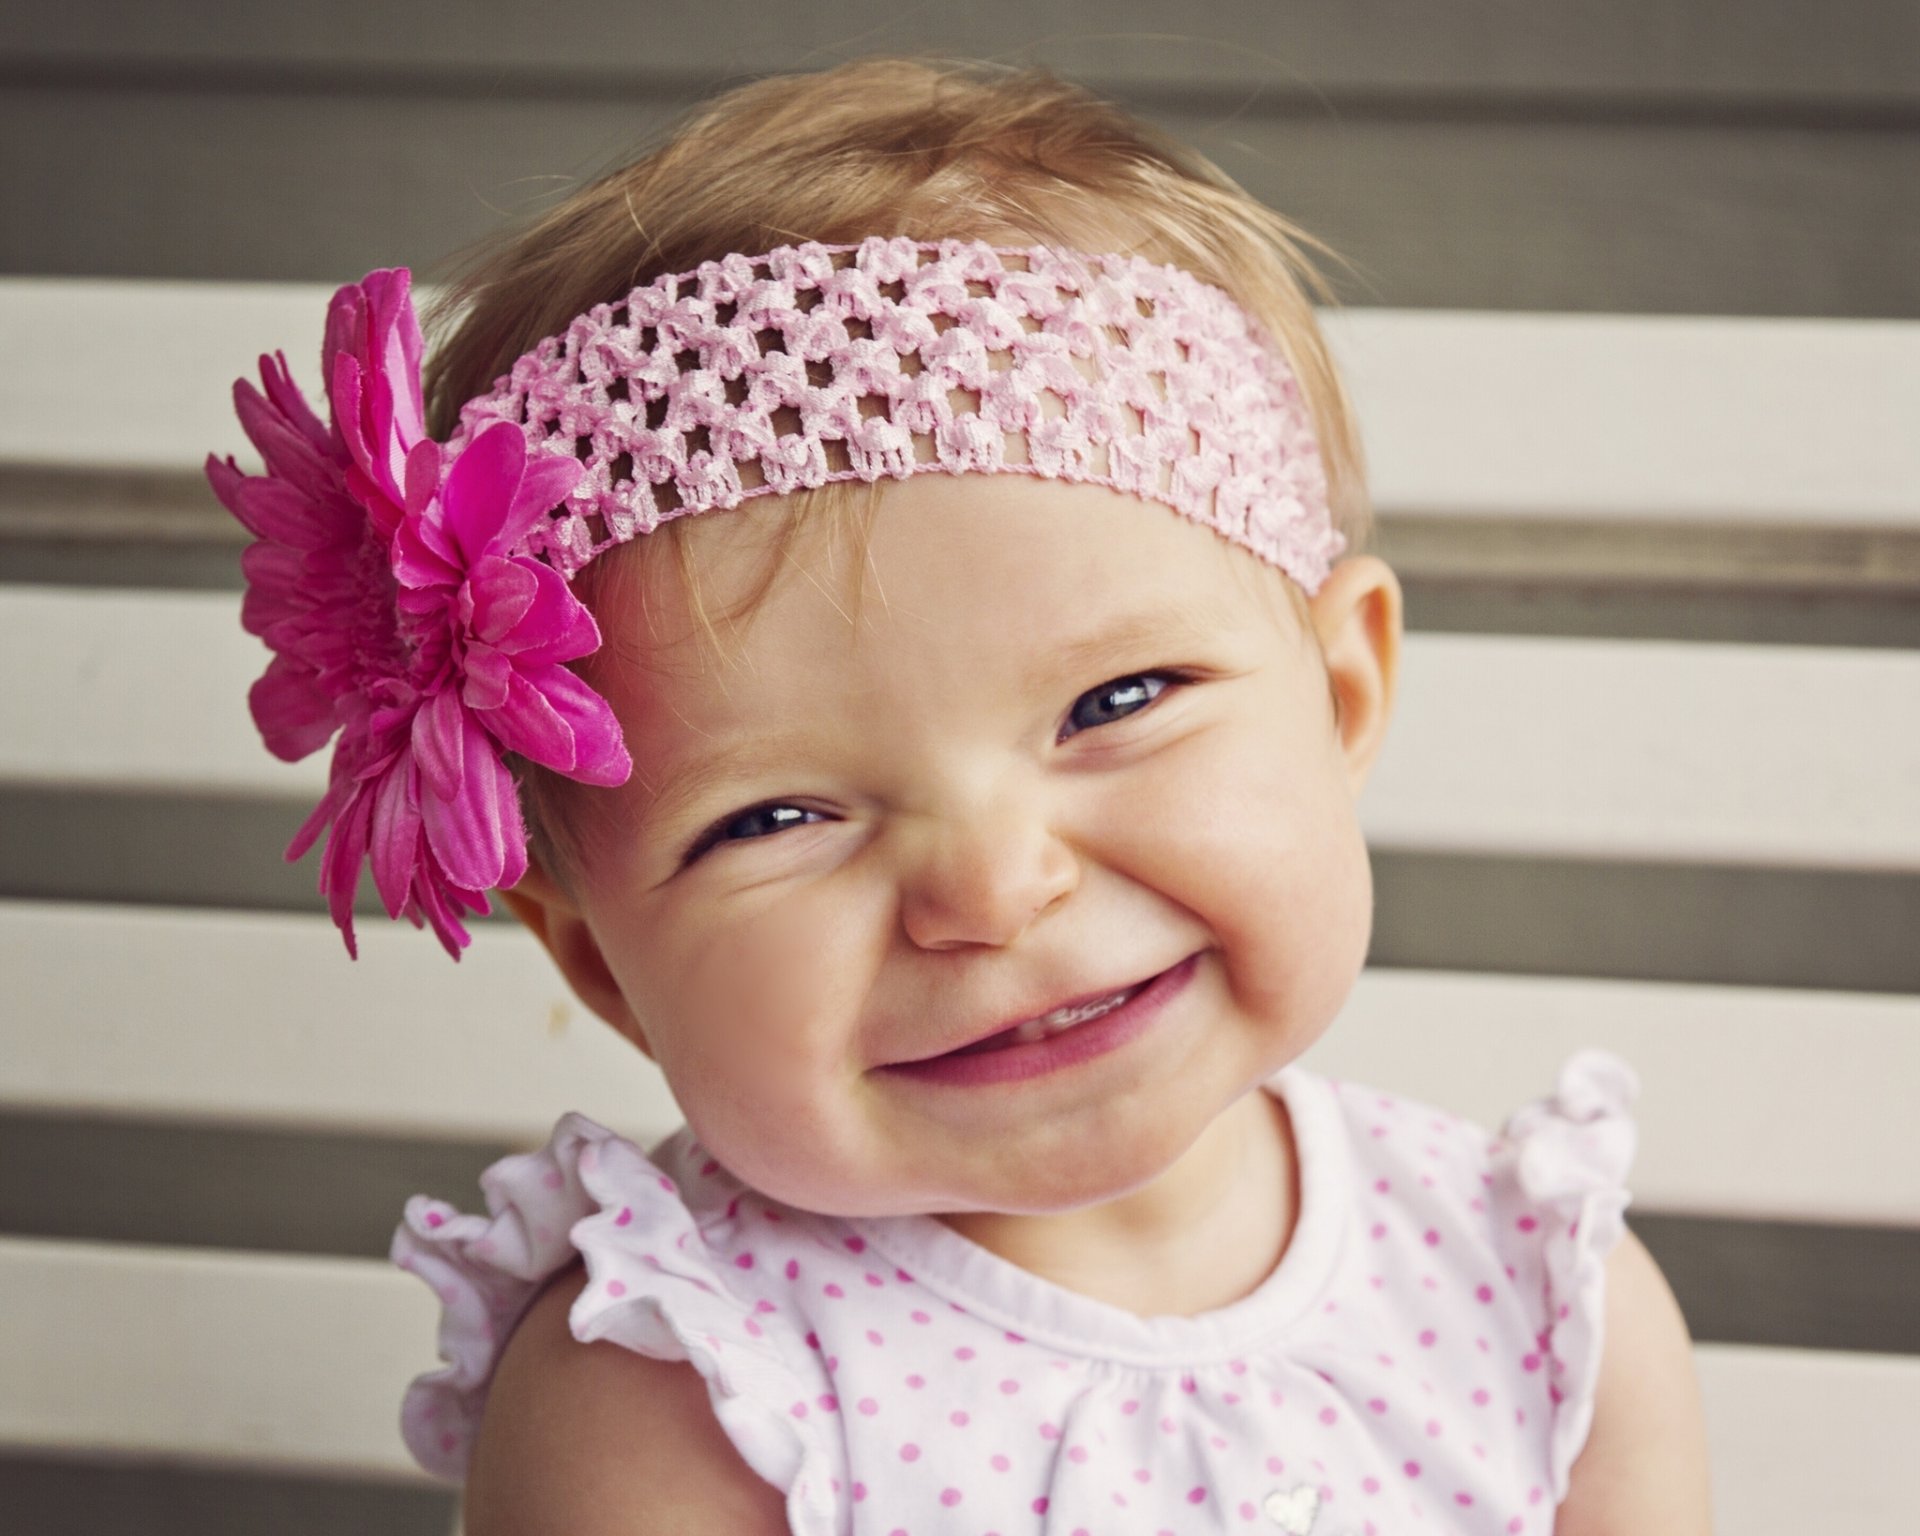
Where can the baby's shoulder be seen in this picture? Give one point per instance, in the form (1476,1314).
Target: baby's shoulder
(593,1437)
(1585,1118)
(661,1253)
(1445,1181)
(1512,1228)
(1407,1142)
(1385,1115)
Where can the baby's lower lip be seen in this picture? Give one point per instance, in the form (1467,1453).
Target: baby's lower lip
(1081,1043)
(1097,1008)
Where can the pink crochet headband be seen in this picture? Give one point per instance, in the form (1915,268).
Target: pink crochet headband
(416,595)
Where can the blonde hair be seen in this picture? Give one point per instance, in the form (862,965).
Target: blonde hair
(926,148)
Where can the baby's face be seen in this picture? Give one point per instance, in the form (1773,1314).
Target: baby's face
(1073,740)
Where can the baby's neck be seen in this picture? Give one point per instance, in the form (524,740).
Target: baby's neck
(1201,1236)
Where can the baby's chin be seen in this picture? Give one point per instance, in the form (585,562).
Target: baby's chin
(877,1158)
(985,1187)
(1058,1181)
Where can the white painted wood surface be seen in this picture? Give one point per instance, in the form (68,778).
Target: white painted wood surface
(202,1356)
(175,350)
(1776,756)
(1802,1440)
(1761,1102)
(1539,415)
(261,1019)
(1668,751)
(1623,749)
(268,1362)
(1657,416)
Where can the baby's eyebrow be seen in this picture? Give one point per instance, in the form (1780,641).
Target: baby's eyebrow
(1172,624)
(702,772)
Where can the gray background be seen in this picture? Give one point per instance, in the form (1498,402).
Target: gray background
(1642,156)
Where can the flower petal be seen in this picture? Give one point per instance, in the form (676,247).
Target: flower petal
(423,474)
(549,480)
(395,841)
(344,392)
(526,722)
(438,901)
(272,508)
(600,752)
(556,627)
(503,591)
(273,573)
(286,397)
(481,487)
(422,554)
(376,401)
(551,717)
(341,863)
(321,815)
(439,744)
(287,448)
(476,833)
(395,348)
(488,676)
(294,714)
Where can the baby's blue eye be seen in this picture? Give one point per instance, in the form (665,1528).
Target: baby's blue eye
(1116,700)
(759,821)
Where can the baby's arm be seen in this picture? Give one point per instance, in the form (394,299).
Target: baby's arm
(595,1440)
(1644,1466)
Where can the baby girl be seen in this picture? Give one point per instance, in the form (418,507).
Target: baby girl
(876,584)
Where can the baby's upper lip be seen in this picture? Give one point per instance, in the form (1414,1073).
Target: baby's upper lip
(1040,1010)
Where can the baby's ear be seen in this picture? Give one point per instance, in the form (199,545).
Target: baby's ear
(1357,615)
(554,918)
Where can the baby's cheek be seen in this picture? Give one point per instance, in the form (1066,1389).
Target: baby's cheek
(764,1038)
(1274,863)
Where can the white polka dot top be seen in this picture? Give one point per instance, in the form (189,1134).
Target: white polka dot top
(1423,1357)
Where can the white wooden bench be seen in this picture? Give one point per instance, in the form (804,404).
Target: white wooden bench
(1760,1103)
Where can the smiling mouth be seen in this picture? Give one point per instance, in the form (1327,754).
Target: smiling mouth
(1059,1021)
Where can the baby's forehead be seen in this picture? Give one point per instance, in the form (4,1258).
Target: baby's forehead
(955,582)
(940,574)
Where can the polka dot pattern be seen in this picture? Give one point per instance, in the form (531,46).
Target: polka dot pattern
(1424,1355)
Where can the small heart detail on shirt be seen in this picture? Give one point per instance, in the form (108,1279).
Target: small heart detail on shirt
(1293,1512)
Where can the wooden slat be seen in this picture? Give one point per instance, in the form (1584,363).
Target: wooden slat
(201,1356)
(147,690)
(1492,160)
(254,1018)
(1851,50)
(1527,208)
(1657,750)
(1728,1126)
(298,1364)
(1675,417)
(181,347)
(1804,1439)
(166,1023)
(1773,755)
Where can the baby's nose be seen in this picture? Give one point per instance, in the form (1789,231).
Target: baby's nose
(981,873)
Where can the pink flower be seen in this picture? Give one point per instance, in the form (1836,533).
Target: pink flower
(403,612)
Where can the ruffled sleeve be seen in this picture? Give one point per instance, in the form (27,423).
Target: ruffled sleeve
(1559,1171)
(653,1287)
